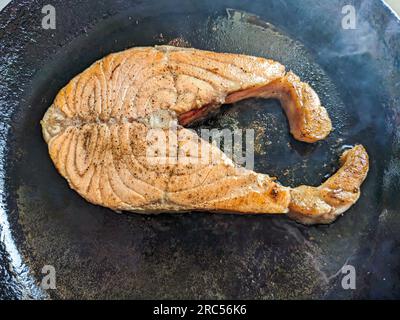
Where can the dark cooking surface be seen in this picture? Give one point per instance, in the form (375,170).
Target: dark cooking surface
(98,253)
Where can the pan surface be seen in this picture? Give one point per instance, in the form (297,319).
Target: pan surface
(97,253)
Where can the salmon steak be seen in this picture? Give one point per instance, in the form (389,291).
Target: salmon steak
(117,133)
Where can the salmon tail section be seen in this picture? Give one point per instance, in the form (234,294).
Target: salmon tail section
(323,204)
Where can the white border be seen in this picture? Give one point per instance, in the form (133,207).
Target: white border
(3,3)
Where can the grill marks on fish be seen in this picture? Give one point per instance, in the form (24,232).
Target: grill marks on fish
(97,130)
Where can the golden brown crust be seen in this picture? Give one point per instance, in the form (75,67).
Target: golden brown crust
(100,127)
(323,204)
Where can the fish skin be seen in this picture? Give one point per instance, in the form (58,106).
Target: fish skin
(323,204)
(98,130)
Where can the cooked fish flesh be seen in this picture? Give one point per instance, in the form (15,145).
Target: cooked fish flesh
(103,123)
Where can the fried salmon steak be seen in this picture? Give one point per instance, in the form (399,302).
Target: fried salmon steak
(101,126)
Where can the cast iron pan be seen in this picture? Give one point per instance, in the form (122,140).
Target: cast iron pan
(98,253)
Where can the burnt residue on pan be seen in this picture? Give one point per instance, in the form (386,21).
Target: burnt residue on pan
(100,254)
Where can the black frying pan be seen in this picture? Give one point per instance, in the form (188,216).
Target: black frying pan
(100,254)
